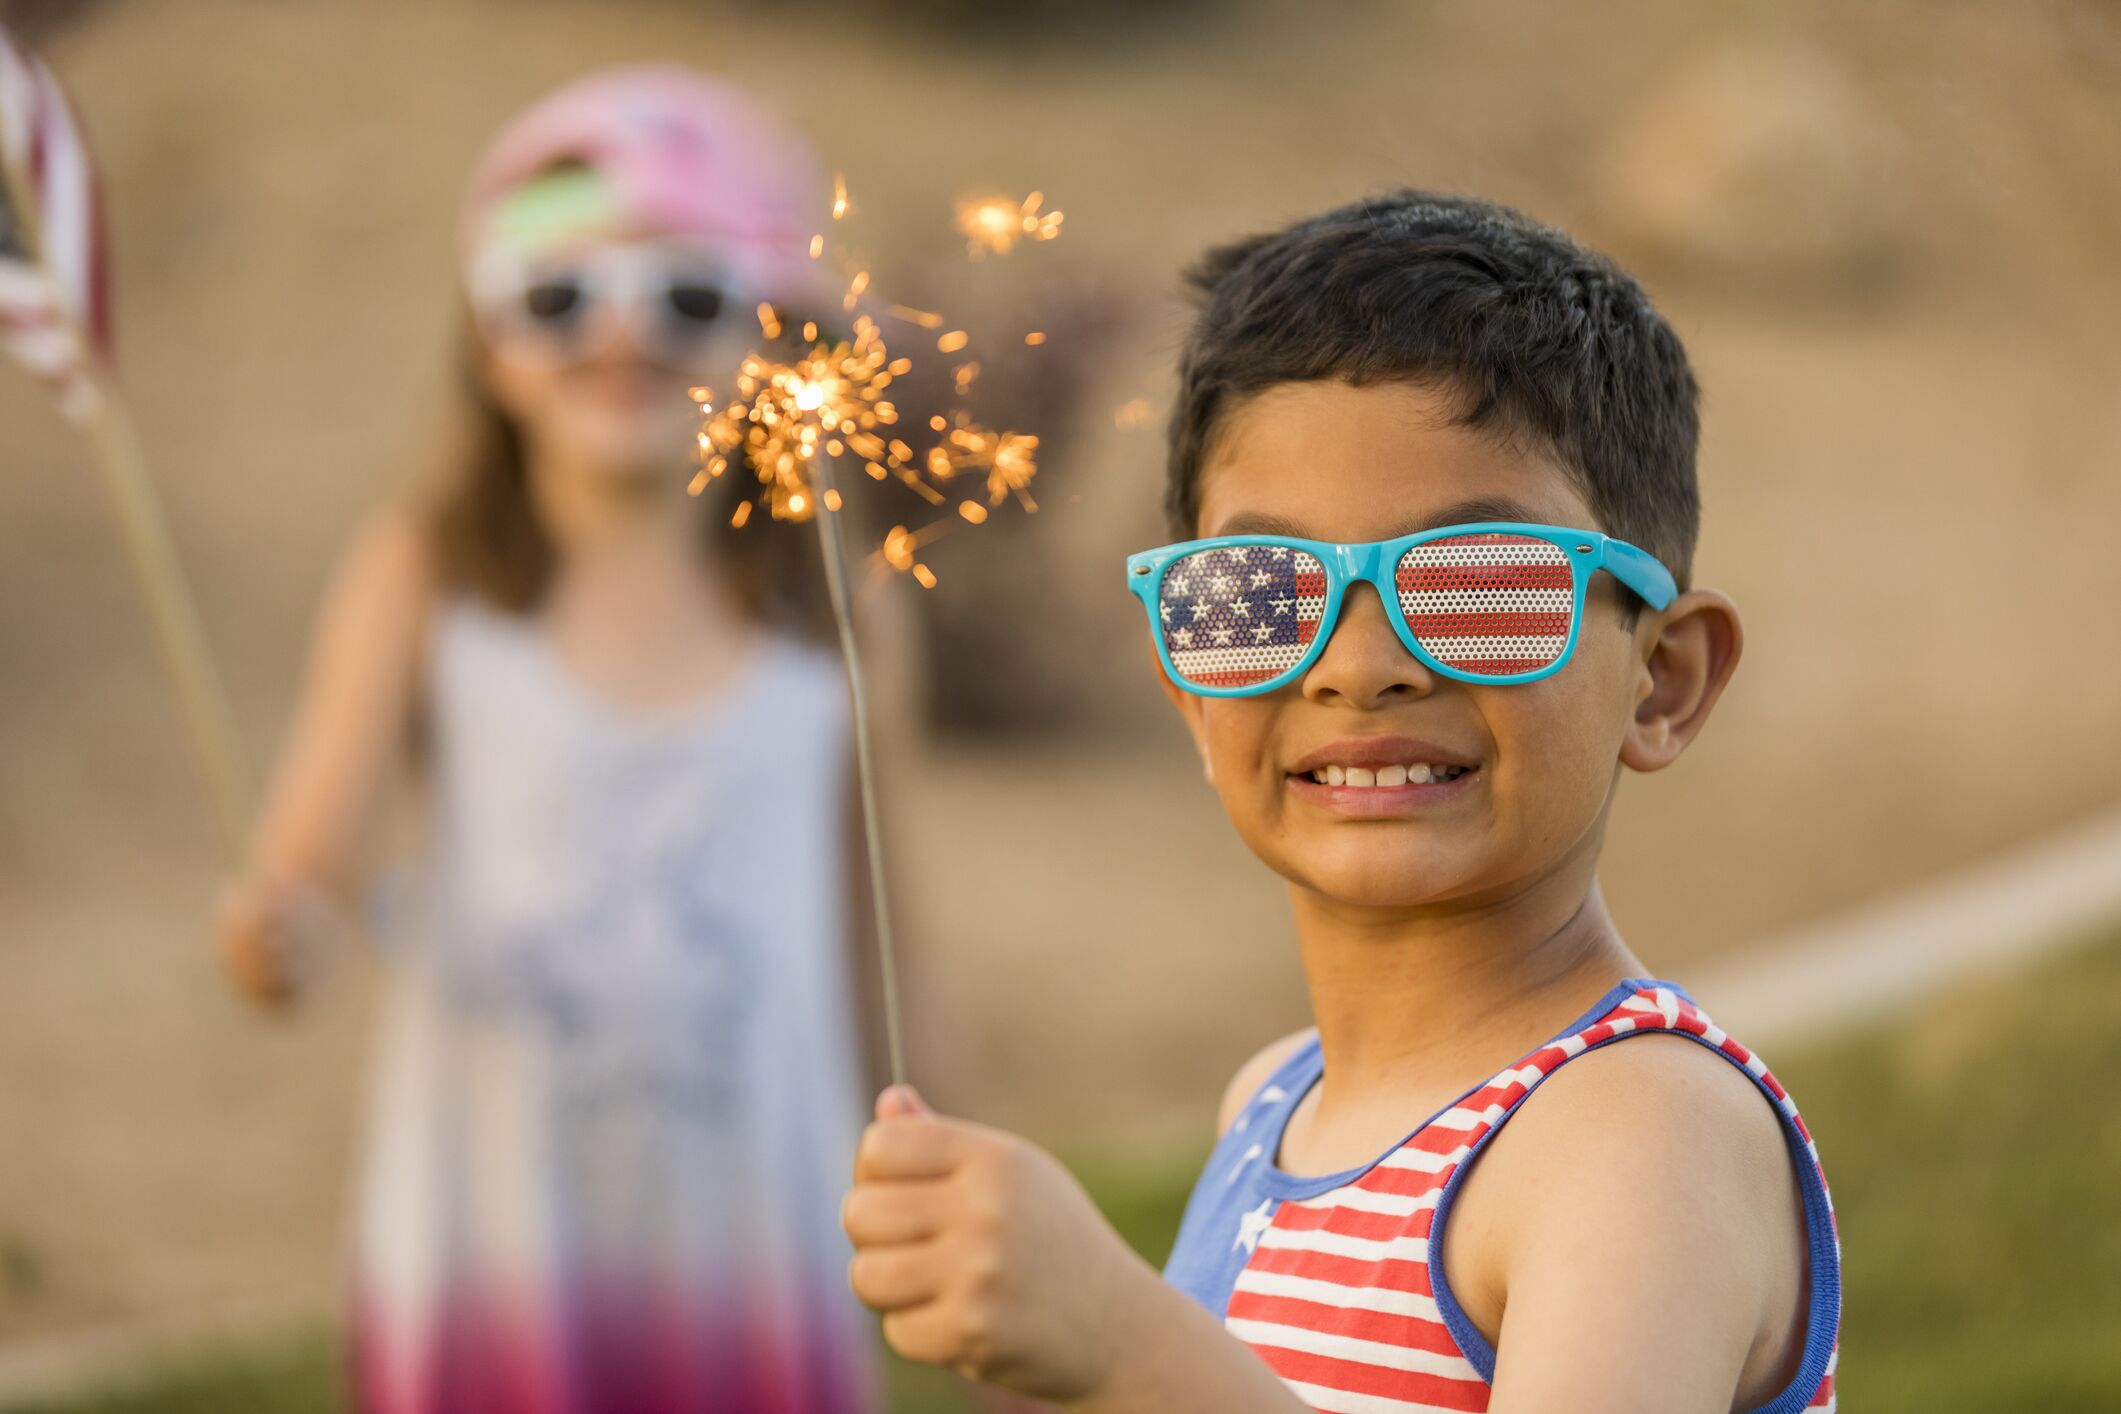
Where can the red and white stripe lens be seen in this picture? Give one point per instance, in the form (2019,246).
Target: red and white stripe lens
(1492,603)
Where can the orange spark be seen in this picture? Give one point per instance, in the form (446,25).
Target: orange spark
(994,224)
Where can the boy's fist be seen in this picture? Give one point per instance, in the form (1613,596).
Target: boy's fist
(985,1255)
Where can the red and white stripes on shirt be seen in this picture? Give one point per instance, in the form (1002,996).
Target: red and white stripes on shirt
(1337,1295)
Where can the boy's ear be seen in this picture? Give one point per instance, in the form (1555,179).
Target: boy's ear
(1187,705)
(1692,650)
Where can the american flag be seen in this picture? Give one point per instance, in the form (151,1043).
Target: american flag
(1240,614)
(54,281)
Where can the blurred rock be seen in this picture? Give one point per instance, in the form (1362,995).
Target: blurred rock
(1758,163)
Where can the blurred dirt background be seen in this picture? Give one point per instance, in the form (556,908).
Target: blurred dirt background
(1887,233)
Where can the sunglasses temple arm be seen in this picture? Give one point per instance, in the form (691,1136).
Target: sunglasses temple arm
(1640,571)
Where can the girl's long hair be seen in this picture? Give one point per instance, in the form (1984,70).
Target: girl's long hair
(489,543)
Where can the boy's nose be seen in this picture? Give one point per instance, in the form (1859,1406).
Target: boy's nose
(1364,664)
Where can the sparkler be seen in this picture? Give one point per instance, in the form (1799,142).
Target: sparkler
(995,224)
(790,420)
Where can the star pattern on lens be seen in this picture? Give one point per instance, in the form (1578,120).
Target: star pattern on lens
(1240,614)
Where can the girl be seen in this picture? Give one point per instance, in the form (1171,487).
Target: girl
(618,1083)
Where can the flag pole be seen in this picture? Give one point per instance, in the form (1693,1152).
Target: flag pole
(207,714)
(107,424)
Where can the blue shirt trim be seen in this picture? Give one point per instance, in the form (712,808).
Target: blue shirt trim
(1242,1171)
(1282,1184)
(1823,1309)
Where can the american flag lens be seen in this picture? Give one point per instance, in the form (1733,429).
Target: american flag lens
(1240,614)
(1492,603)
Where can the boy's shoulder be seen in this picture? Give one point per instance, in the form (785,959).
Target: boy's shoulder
(1629,1154)
(1255,1073)
(1662,1103)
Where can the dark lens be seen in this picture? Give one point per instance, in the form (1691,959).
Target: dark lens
(695,301)
(553,301)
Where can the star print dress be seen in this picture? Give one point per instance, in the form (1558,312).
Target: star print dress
(617,1093)
(1338,1281)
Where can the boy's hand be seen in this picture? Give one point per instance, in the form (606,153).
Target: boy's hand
(986,1256)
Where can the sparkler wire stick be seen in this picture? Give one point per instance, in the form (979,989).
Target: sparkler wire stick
(835,554)
(108,427)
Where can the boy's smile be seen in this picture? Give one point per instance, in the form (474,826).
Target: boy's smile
(1371,779)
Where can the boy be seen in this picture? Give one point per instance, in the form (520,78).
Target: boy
(1433,468)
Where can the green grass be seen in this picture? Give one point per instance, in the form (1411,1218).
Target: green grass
(1974,1147)
(300,1377)
(1975,1155)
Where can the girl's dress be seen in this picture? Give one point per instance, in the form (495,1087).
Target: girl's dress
(1338,1281)
(617,1095)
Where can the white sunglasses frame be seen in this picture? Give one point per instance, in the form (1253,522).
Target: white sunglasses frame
(626,281)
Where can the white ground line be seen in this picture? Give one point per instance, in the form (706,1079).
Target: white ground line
(1990,917)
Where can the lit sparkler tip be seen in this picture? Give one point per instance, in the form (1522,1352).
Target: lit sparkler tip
(839,196)
(994,224)
(830,400)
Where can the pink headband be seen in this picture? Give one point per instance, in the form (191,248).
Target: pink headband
(684,154)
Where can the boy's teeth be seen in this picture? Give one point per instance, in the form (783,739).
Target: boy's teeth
(1421,773)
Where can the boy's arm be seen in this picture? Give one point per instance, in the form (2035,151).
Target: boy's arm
(984,1255)
(1637,1230)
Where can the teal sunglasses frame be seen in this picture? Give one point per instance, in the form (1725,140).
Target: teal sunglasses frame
(1376,563)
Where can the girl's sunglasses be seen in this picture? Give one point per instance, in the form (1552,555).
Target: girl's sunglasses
(1491,602)
(667,300)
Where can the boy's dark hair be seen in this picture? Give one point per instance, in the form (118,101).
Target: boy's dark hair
(1550,344)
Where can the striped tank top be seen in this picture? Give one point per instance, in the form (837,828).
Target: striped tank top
(1332,1279)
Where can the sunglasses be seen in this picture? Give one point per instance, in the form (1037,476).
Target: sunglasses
(1490,602)
(668,301)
